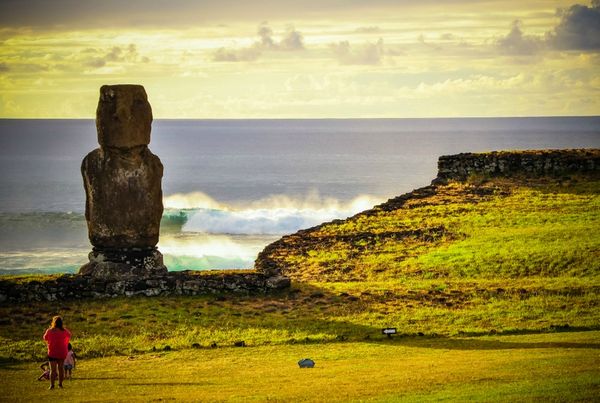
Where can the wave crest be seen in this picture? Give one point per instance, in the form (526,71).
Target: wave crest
(194,200)
(273,215)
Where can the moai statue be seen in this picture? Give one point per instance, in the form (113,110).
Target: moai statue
(122,181)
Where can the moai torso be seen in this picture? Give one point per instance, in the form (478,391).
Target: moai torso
(124,197)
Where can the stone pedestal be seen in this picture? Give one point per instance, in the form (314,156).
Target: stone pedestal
(122,181)
(133,262)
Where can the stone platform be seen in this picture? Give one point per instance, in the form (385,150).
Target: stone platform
(74,286)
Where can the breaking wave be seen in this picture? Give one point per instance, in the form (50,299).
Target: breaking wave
(201,233)
(274,215)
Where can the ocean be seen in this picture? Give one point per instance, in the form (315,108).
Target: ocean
(233,186)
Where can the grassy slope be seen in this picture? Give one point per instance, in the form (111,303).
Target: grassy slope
(492,229)
(560,366)
(464,259)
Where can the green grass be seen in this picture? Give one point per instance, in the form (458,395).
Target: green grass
(308,313)
(498,229)
(555,367)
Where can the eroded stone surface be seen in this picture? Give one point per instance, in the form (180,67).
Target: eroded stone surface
(124,197)
(533,163)
(68,286)
(122,181)
(119,263)
(123,117)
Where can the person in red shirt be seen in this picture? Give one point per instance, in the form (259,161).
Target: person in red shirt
(57,337)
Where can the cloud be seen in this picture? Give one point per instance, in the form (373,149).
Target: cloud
(237,55)
(579,28)
(368,30)
(292,40)
(474,84)
(70,14)
(95,62)
(265,34)
(423,41)
(28,68)
(116,54)
(515,43)
(368,53)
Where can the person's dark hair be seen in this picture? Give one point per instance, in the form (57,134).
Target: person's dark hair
(57,323)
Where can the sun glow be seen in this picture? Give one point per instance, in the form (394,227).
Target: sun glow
(385,60)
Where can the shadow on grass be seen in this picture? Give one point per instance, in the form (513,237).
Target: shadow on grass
(168,384)
(305,314)
(479,344)
(12,364)
(349,332)
(341,331)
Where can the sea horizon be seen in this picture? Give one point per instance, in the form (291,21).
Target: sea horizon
(326,118)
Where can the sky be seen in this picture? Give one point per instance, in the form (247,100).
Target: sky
(303,59)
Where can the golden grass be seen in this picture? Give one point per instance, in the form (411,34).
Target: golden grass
(560,366)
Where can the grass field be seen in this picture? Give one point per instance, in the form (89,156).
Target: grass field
(493,287)
(554,367)
(308,313)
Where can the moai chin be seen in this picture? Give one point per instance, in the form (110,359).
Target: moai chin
(122,181)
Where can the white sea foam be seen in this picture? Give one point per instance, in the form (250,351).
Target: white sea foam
(207,251)
(202,245)
(193,200)
(277,214)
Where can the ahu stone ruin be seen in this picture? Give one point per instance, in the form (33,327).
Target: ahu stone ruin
(122,181)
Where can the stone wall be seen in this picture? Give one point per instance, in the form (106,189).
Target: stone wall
(70,286)
(518,163)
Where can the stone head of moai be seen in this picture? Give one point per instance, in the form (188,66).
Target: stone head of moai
(122,181)
(123,117)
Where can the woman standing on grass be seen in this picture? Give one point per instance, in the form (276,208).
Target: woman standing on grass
(57,337)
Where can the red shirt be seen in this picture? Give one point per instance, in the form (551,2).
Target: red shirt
(57,340)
